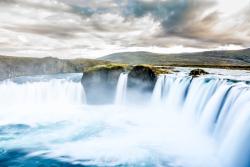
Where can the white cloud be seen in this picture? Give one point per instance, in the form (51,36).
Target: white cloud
(93,28)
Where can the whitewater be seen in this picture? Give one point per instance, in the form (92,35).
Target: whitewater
(188,122)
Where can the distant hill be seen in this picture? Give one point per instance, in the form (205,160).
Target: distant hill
(239,59)
(22,66)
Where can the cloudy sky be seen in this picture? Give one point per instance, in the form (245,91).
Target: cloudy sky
(93,28)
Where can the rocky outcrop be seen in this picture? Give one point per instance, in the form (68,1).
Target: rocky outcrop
(141,81)
(197,72)
(100,83)
(142,78)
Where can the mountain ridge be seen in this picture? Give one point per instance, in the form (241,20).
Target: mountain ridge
(230,58)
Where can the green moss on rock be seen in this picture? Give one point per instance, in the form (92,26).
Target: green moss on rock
(156,69)
(100,82)
(106,67)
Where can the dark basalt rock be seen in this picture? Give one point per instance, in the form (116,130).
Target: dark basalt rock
(100,83)
(141,81)
(197,72)
(142,77)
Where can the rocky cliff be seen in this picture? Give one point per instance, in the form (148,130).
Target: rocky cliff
(21,66)
(100,82)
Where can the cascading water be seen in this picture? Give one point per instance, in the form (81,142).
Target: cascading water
(121,89)
(53,91)
(191,122)
(219,108)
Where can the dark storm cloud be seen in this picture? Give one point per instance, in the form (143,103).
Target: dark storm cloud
(188,19)
(167,11)
(181,18)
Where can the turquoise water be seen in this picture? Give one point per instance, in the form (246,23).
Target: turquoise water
(202,122)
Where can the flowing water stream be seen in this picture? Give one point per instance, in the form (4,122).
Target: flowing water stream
(189,122)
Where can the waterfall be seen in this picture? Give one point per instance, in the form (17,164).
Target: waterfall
(157,93)
(219,108)
(121,89)
(208,100)
(51,91)
(189,122)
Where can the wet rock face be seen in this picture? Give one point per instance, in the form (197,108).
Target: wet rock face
(197,72)
(142,78)
(141,82)
(100,84)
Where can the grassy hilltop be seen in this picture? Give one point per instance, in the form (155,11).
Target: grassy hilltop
(239,59)
(21,66)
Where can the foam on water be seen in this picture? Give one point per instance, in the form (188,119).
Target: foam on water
(201,122)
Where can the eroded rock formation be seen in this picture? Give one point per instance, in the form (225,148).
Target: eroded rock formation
(100,83)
